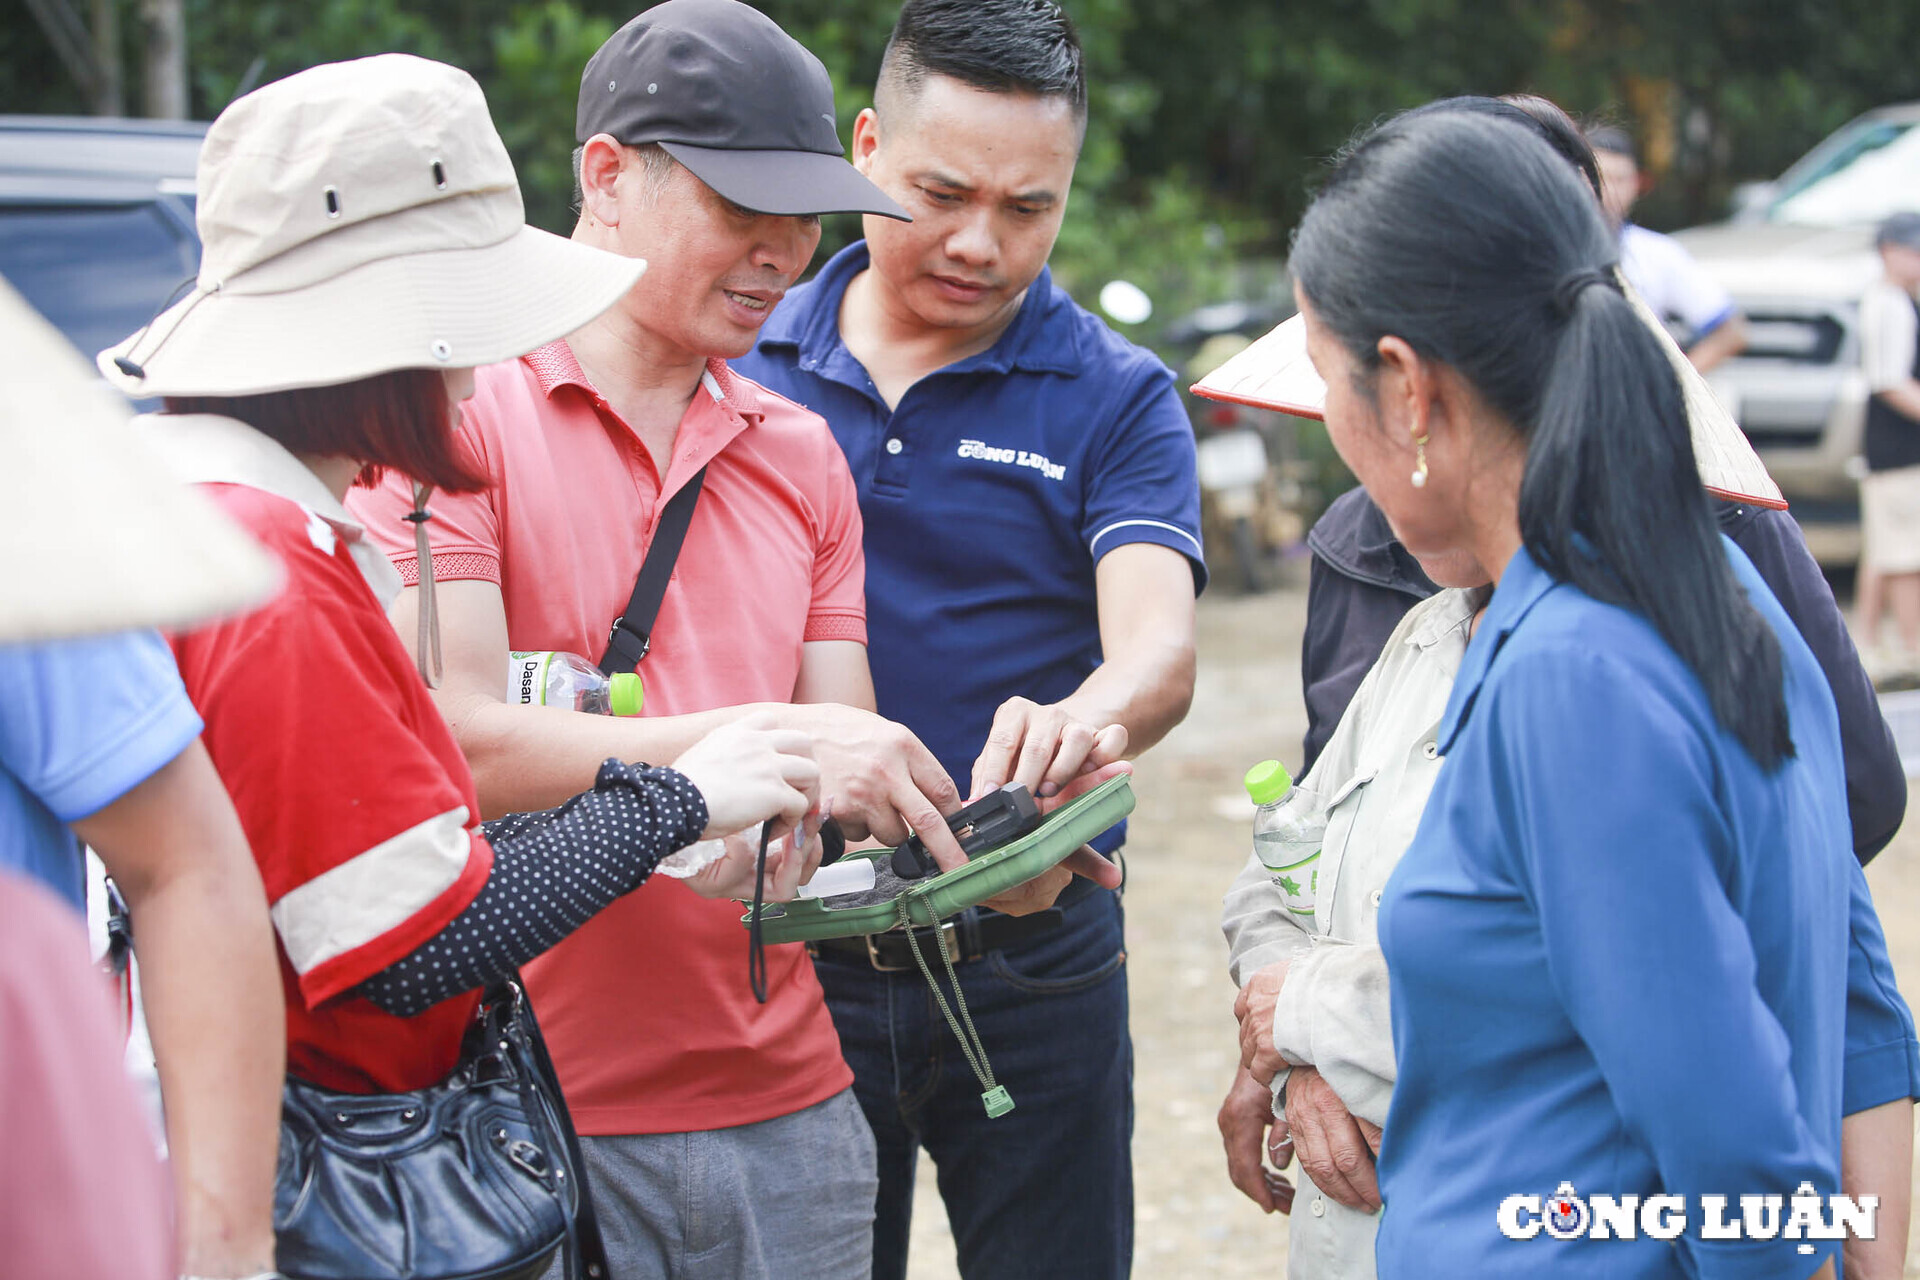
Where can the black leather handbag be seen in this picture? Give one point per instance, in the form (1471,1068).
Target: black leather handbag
(475,1178)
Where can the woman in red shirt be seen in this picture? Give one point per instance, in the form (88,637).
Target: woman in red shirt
(364,248)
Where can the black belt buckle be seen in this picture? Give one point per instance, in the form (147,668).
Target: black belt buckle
(949,939)
(990,821)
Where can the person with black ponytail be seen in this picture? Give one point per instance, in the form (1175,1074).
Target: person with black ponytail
(1363,582)
(1617,945)
(1324,1010)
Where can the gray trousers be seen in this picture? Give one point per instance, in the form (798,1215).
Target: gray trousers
(786,1199)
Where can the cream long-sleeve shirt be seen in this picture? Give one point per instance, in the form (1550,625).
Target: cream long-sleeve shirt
(1372,780)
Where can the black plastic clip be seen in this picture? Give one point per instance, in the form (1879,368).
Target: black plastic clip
(987,823)
(643,638)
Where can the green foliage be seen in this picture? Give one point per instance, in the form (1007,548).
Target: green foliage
(533,91)
(238,44)
(1210,118)
(1168,239)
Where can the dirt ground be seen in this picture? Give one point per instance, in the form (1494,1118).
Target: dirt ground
(1188,840)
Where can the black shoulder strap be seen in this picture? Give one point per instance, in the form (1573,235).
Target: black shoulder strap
(632,633)
(586,1248)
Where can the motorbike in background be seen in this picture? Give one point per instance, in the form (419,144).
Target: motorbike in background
(1241,511)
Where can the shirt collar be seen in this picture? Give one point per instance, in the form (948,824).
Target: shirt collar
(204,448)
(1353,536)
(1522,586)
(725,405)
(1447,617)
(555,366)
(812,328)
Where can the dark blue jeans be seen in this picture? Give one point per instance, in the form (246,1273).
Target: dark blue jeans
(1045,1191)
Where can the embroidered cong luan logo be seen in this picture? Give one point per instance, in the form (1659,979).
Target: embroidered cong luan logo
(1013,458)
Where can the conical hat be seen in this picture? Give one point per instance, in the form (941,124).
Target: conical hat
(1274,373)
(94,534)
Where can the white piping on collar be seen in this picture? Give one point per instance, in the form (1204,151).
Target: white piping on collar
(205,448)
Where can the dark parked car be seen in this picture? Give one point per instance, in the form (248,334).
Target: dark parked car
(96,219)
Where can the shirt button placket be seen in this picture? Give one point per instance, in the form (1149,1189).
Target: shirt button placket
(892,467)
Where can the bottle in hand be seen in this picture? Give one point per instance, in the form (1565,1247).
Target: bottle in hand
(1288,829)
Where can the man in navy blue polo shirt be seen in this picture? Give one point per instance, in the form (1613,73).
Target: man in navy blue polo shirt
(1027,481)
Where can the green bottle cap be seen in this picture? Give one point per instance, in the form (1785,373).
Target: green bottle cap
(1267,781)
(998,1101)
(624,693)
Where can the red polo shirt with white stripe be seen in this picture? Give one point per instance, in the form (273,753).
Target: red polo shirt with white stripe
(356,800)
(647,1008)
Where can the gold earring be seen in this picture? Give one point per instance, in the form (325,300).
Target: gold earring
(1419,476)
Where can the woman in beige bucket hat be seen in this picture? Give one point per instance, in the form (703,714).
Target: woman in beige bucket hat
(365,247)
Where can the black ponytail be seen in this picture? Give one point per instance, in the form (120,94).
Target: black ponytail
(1472,241)
(1530,111)
(1634,497)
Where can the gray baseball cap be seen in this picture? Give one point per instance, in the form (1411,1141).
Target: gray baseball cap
(1902,229)
(735,99)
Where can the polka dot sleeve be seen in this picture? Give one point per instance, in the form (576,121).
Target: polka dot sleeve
(552,871)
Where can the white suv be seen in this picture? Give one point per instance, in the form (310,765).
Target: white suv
(1797,256)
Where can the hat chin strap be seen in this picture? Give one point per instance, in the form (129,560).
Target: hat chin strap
(427,649)
(126,364)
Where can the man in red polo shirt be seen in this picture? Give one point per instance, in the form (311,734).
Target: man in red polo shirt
(723,1138)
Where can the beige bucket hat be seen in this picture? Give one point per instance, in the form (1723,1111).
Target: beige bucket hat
(1274,373)
(357,218)
(93,536)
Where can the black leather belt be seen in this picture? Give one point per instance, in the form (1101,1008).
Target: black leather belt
(968,936)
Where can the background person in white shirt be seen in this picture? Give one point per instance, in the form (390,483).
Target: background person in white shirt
(1890,492)
(1658,267)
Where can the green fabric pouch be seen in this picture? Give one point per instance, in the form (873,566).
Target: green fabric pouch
(930,900)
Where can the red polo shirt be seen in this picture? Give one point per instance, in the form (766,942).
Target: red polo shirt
(355,799)
(647,1008)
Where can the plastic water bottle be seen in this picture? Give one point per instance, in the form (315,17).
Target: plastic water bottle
(697,857)
(550,678)
(1288,830)
(849,875)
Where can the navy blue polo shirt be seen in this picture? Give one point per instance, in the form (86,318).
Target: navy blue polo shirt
(988,495)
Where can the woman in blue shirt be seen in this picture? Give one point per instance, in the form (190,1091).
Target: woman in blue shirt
(1618,940)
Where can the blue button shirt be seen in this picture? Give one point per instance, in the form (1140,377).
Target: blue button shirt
(1883,1052)
(1618,950)
(988,495)
(84,722)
